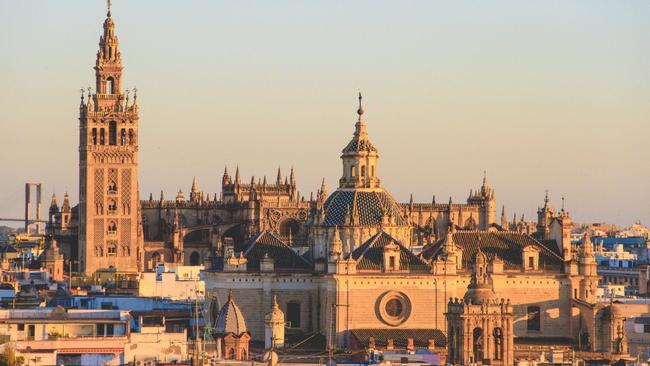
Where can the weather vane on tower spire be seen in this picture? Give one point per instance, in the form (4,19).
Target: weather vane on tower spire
(108,7)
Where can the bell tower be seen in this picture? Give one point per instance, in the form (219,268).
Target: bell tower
(109,230)
(359,159)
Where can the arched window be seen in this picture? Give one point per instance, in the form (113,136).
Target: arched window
(102,137)
(112,133)
(289,227)
(498,343)
(155,259)
(111,249)
(131,137)
(109,85)
(112,206)
(195,259)
(112,227)
(477,344)
(123,137)
(112,186)
(293,314)
(534,318)
(372,171)
(94,138)
(363,170)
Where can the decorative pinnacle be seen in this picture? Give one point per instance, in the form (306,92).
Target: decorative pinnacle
(360,110)
(82,93)
(108,8)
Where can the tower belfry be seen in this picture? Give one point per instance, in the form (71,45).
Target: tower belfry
(108,165)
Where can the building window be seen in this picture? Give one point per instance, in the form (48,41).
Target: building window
(123,137)
(131,137)
(109,85)
(112,227)
(531,262)
(363,170)
(477,345)
(112,206)
(646,328)
(94,138)
(112,187)
(21,327)
(195,259)
(111,249)
(102,136)
(534,318)
(394,308)
(293,314)
(352,170)
(498,343)
(112,133)
(372,170)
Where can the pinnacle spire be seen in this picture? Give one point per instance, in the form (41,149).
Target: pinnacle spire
(195,185)
(360,126)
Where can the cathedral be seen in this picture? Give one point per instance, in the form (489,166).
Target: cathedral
(353,266)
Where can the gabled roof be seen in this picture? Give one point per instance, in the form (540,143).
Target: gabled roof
(284,258)
(370,255)
(507,245)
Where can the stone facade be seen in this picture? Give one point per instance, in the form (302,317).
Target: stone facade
(109,210)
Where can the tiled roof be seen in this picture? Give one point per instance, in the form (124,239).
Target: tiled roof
(284,258)
(400,336)
(545,340)
(230,319)
(371,206)
(370,255)
(506,245)
(359,144)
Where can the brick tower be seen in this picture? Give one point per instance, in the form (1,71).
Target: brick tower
(109,229)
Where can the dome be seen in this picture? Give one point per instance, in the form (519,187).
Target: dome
(359,144)
(370,205)
(230,319)
(479,294)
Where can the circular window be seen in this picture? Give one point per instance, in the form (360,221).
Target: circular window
(393,308)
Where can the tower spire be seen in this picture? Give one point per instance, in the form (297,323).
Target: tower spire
(108,8)
(360,127)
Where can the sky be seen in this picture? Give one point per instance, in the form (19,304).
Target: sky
(541,94)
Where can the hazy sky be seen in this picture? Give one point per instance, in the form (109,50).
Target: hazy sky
(543,95)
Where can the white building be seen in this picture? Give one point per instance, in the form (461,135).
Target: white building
(173,282)
(55,336)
